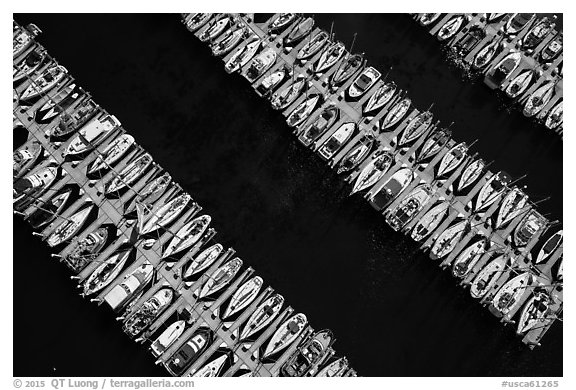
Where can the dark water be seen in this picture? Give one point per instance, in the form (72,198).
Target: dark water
(393,311)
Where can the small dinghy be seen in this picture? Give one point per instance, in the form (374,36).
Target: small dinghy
(451,160)
(112,153)
(396,113)
(374,171)
(511,206)
(430,221)
(187,235)
(313,46)
(166,214)
(448,239)
(243,296)
(129,174)
(538,99)
(468,258)
(379,98)
(203,260)
(507,298)
(69,227)
(262,316)
(221,277)
(356,155)
(550,246)
(286,334)
(487,277)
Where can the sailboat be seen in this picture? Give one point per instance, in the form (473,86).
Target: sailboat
(356,155)
(105,273)
(430,221)
(316,128)
(168,337)
(141,318)
(285,334)
(470,174)
(221,277)
(281,22)
(303,111)
(129,174)
(491,190)
(215,29)
(487,277)
(50,210)
(111,153)
(329,57)
(392,187)
(337,140)
(550,246)
(409,206)
(86,249)
(507,298)
(57,103)
(531,224)
(519,84)
(187,235)
(555,117)
(313,46)
(396,113)
(486,54)
(451,27)
(374,171)
(535,312)
(150,193)
(447,240)
(415,128)
(262,316)
(242,56)
(204,260)
(243,296)
(282,99)
(90,135)
(28,65)
(379,98)
(452,159)
(69,227)
(468,258)
(23,159)
(45,82)
(427,19)
(538,99)
(166,214)
(511,206)
(211,369)
(299,31)
(433,144)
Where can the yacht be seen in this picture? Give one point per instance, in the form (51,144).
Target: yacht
(316,128)
(148,311)
(356,155)
(487,277)
(451,160)
(537,33)
(396,113)
(430,221)
(127,176)
(313,46)
(392,188)
(168,337)
(45,82)
(221,277)
(285,334)
(415,128)
(166,214)
(468,258)
(409,206)
(507,298)
(204,260)
(271,81)
(243,296)
(373,172)
(112,153)
(187,235)
(379,98)
(86,249)
(90,135)
(448,239)
(30,187)
(262,316)
(550,246)
(337,140)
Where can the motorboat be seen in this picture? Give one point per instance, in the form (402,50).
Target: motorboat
(168,337)
(487,277)
(415,128)
(313,46)
(323,122)
(396,113)
(492,190)
(506,66)
(373,172)
(129,174)
(70,123)
(261,63)
(507,298)
(486,54)
(451,160)
(531,224)
(189,351)
(112,153)
(148,312)
(550,246)
(282,99)
(448,239)
(356,155)
(379,98)
(535,313)
(337,140)
(472,38)
(187,235)
(151,192)
(90,135)
(470,174)
(225,45)
(24,159)
(271,81)
(23,38)
(433,144)
(519,84)
(166,214)
(281,22)
(346,69)
(130,283)
(44,82)
(211,369)
(451,27)
(198,21)
(221,277)
(243,297)
(468,258)
(512,205)
(285,334)
(215,29)
(86,249)
(552,49)
(105,273)
(330,55)
(538,99)
(334,369)
(242,56)
(555,117)
(303,111)
(262,316)
(409,206)
(204,260)
(430,221)
(392,188)
(518,22)
(537,33)
(299,31)
(308,354)
(30,64)
(428,19)
(57,104)
(50,210)
(33,185)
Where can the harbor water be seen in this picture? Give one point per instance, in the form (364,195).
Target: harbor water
(393,310)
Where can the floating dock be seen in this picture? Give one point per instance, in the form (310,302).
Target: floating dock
(519,259)
(150,291)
